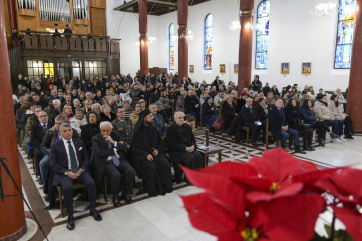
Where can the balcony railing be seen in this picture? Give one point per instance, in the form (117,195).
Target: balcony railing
(32,40)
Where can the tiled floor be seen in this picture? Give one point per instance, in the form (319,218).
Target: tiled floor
(163,218)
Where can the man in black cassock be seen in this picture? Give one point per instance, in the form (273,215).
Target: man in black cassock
(182,146)
(150,162)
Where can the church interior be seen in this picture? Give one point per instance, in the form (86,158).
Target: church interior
(118,107)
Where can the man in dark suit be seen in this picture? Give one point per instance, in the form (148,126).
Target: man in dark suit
(68,32)
(37,134)
(110,153)
(69,161)
(252,120)
(279,126)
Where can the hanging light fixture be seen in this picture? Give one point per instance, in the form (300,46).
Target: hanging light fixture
(191,34)
(235,25)
(152,40)
(325,9)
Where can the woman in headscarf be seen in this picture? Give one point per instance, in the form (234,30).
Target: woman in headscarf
(208,115)
(149,160)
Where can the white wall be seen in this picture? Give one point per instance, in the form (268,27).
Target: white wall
(125,26)
(295,37)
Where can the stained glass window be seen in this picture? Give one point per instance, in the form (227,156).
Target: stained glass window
(208,41)
(345,33)
(262,35)
(171,46)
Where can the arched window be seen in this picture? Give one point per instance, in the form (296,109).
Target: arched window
(208,41)
(262,35)
(171,46)
(345,33)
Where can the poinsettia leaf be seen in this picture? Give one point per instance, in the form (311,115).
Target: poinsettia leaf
(288,218)
(277,165)
(220,189)
(313,175)
(352,220)
(206,215)
(229,169)
(349,181)
(344,184)
(253,183)
(284,191)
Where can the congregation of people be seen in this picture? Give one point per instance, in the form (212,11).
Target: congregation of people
(87,130)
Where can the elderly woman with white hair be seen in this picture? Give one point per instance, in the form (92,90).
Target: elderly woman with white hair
(78,120)
(182,146)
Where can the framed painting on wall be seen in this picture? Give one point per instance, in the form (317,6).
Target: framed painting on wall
(285,68)
(191,68)
(307,68)
(222,68)
(236,68)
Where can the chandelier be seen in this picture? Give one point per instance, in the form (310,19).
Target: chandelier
(190,34)
(235,25)
(325,9)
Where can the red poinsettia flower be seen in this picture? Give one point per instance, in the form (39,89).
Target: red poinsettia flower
(345,185)
(264,187)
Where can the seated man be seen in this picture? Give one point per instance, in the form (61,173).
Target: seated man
(37,134)
(182,146)
(123,126)
(110,154)
(252,120)
(69,161)
(150,162)
(279,127)
(51,136)
(158,120)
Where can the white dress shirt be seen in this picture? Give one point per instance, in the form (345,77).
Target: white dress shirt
(67,150)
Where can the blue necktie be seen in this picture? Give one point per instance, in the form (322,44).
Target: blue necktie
(114,157)
(45,127)
(73,159)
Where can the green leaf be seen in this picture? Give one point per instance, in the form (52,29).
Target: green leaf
(328,229)
(342,235)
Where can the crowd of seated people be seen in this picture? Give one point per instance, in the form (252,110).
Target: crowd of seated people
(120,123)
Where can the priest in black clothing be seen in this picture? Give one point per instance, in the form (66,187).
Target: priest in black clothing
(182,146)
(149,160)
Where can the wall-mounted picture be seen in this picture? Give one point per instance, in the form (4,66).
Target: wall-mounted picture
(285,68)
(191,68)
(222,68)
(236,68)
(307,68)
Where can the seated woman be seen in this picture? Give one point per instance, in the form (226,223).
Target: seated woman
(90,130)
(96,108)
(323,113)
(334,106)
(227,111)
(309,117)
(191,121)
(208,115)
(78,120)
(256,100)
(136,109)
(106,114)
(293,119)
(269,101)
